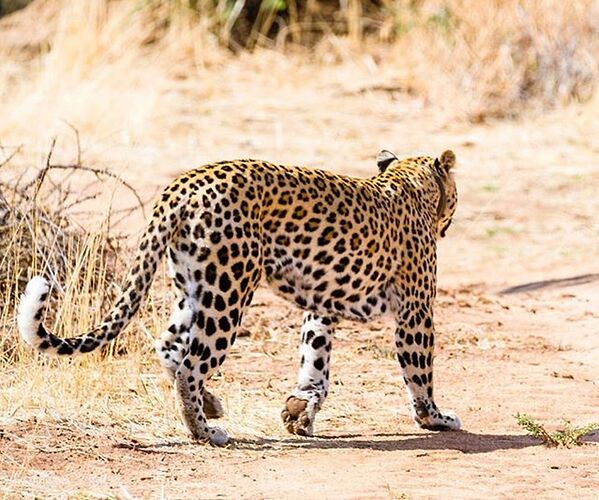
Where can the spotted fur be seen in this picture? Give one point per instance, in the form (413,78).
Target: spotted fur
(337,246)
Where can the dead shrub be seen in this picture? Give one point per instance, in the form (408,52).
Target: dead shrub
(39,236)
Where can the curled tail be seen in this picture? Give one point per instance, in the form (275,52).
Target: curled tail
(163,225)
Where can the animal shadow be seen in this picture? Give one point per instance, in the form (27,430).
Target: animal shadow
(553,283)
(465,442)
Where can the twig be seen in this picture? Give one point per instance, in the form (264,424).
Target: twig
(106,172)
(39,179)
(11,156)
(74,129)
(78,201)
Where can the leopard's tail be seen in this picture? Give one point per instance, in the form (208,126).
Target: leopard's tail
(162,227)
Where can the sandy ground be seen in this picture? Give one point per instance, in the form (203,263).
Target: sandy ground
(517,315)
(532,350)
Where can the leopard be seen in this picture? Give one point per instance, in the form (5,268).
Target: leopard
(337,246)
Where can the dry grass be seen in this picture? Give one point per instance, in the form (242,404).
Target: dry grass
(146,61)
(499,58)
(40,236)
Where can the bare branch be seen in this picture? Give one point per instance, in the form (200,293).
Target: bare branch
(77,138)
(99,172)
(7,160)
(39,179)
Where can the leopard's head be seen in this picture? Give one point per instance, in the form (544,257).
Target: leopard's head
(441,169)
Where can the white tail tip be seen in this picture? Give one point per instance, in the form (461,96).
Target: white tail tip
(29,315)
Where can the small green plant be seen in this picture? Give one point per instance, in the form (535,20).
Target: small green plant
(493,231)
(567,437)
(491,187)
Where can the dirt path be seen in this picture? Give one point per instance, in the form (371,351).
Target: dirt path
(499,355)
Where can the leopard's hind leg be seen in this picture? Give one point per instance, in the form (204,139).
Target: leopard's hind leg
(219,290)
(173,344)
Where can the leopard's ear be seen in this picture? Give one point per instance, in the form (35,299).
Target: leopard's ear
(384,159)
(447,160)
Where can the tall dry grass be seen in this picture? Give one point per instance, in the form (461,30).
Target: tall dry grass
(500,58)
(104,66)
(39,235)
(116,68)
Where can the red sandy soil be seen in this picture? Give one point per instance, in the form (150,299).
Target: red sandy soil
(532,349)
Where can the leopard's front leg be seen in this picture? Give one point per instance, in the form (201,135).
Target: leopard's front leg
(414,343)
(313,379)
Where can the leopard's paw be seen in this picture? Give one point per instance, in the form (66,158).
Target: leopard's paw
(298,416)
(446,421)
(218,436)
